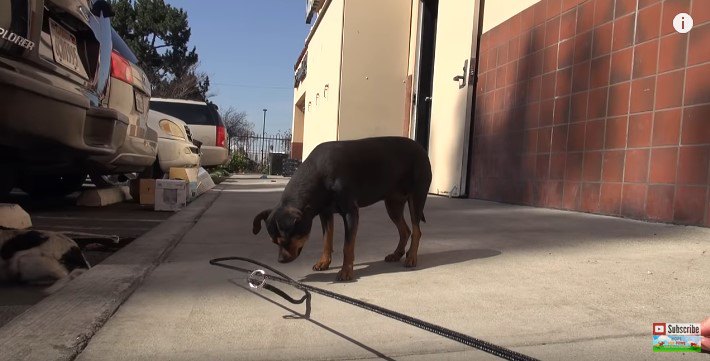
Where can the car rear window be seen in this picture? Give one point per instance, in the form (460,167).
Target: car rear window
(122,48)
(194,114)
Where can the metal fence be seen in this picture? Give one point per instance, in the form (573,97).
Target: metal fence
(260,151)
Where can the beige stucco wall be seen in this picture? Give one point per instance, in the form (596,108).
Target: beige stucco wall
(324,55)
(499,11)
(374,72)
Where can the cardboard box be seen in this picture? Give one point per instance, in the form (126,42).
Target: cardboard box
(170,194)
(189,175)
(146,191)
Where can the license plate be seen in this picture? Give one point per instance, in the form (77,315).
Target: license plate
(64,47)
(139,101)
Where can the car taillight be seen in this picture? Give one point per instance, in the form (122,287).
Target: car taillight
(221,135)
(121,68)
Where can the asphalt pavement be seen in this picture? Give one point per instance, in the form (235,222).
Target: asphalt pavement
(551,284)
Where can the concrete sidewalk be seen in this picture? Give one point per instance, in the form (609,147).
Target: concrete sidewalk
(554,285)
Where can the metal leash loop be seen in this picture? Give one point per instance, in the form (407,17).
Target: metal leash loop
(485,346)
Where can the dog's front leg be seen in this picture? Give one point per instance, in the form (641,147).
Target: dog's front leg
(326,221)
(350,219)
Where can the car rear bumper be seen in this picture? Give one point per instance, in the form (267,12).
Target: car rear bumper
(42,115)
(177,153)
(213,156)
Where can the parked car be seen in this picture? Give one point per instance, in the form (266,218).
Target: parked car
(54,69)
(175,145)
(204,122)
(128,93)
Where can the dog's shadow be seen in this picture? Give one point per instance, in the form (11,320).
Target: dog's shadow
(425,261)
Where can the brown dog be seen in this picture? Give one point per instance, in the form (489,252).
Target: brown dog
(340,177)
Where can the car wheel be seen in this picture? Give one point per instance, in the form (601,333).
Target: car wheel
(53,185)
(110,180)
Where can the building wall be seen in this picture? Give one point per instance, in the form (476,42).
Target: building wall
(498,11)
(374,68)
(596,106)
(322,83)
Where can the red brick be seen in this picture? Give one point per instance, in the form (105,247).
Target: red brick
(529,162)
(696,85)
(585,17)
(621,64)
(623,32)
(700,12)
(693,165)
(592,166)
(511,72)
(549,62)
(527,19)
(547,108)
(540,12)
(698,49)
(670,9)
(594,135)
(573,167)
(500,77)
(571,196)
(552,31)
(534,89)
(538,38)
(636,169)
(515,25)
(563,85)
(575,137)
(597,103)
(542,167)
(568,24)
(578,107)
(559,139)
(669,90)
(538,58)
(547,89)
(666,127)
(514,49)
(570,4)
(649,23)
(619,99)
(557,166)
(554,194)
(624,7)
(645,59)
(613,166)
(610,198)
(672,52)
(544,137)
(664,165)
(640,126)
(580,77)
(601,44)
(531,141)
(695,125)
(532,115)
(633,200)
(583,47)
(645,3)
(659,202)
(690,204)
(616,133)
(553,8)
(599,72)
(603,11)
(590,197)
(562,109)
(565,55)
(642,94)
(492,59)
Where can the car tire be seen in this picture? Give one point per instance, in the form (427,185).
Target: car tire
(53,185)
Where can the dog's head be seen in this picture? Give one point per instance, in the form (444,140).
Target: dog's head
(34,256)
(287,227)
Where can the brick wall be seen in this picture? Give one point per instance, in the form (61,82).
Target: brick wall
(596,106)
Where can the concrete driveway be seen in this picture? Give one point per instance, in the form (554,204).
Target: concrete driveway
(554,285)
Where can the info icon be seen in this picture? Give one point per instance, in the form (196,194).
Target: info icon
(683,23)
(659,328)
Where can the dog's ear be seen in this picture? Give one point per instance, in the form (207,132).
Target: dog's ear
(257,220)
(288,217)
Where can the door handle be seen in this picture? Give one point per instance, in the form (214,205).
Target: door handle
(462,77)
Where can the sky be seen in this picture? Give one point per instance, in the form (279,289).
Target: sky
(248,49)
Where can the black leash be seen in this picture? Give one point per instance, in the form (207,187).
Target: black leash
(257,279)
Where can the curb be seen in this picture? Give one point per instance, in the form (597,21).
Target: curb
(60,326)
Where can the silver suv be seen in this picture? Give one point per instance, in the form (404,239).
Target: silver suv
(205,125)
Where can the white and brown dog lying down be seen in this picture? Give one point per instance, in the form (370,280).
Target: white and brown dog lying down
(40,257)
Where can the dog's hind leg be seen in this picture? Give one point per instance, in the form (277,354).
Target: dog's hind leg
(326,221)
(395,209)
(416,206)
(351,219)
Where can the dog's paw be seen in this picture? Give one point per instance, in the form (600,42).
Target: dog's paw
(393,257)
(345,274)
(321,265)
(410,262)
